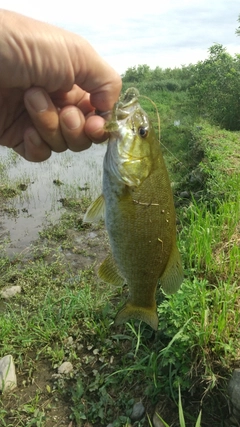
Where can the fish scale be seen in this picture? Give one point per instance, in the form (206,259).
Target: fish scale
(139,213)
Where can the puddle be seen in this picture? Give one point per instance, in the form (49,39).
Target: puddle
(63,175)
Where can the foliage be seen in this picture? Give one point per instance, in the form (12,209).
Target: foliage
(180,415)
(65,313)
(216,88)
(212,86)
(177,79)
(238,29)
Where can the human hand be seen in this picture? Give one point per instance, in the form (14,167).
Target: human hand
(51,82)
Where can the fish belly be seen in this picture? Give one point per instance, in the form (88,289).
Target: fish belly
(141,226)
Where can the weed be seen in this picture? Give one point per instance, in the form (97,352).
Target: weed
(211,241)
(180,415)
(64,313)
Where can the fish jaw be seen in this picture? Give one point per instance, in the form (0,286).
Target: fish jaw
(127,157)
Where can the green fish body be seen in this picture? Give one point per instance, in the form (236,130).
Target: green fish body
(139,212)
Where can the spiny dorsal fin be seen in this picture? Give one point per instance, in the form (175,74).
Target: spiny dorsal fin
(173,274)
(96,210)
(109,272)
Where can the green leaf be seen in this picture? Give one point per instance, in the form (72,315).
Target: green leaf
(180,409)
(198,422)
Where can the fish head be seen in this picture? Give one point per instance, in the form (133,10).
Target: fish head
(129,156)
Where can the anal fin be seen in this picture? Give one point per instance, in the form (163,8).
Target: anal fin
(108,272)
(173,274)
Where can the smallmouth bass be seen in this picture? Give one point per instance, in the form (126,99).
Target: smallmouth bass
(137,204)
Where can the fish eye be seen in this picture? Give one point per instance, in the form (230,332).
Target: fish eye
(142,131)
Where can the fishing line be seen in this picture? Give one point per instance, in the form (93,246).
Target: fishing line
(159,131)
(106,113)
(158,115)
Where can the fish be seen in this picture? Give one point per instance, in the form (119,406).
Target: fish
(138,208)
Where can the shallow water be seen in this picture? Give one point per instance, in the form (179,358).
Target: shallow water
(40,201)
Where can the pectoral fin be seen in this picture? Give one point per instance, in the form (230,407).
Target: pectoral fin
(130,311)
(173,275)
(109,272)
(96,210)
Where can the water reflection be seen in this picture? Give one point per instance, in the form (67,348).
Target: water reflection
(63,175)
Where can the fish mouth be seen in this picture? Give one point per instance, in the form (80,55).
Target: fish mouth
(122,110)
(127,157)
(128,104)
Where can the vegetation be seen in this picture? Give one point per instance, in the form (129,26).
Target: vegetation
(65,313)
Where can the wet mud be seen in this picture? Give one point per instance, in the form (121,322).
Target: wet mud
(43,187)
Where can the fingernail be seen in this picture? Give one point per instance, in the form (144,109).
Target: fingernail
(71,119)
(38,101)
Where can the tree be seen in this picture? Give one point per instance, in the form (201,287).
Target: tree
(137,74)
(238,29)
(216,88)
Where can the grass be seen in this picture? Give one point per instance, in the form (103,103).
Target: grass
(211,242)
(194,347)
(65,313)
(180,415)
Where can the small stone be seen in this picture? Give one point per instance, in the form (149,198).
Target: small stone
(234,392)
(137,412)
(8,380)
(110,425)
(184,195)
(196,177)
(70,341)
(10,292)
(156,421)
(65,368)
(92,235)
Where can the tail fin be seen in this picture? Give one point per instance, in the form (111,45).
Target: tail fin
(130,311)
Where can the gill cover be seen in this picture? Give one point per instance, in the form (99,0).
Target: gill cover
(128,153)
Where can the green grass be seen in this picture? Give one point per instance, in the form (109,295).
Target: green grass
(180,415)
(196,342)
(65,313)
(210,244)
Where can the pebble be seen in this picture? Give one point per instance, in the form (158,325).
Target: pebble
(184,195)
(65,368)
(8,380)
(138,412)
(10,292)
(196,177)
(91,235)
(69,341)
(234,393)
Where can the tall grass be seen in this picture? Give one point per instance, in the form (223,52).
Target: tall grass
(210,241)
(65,313)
